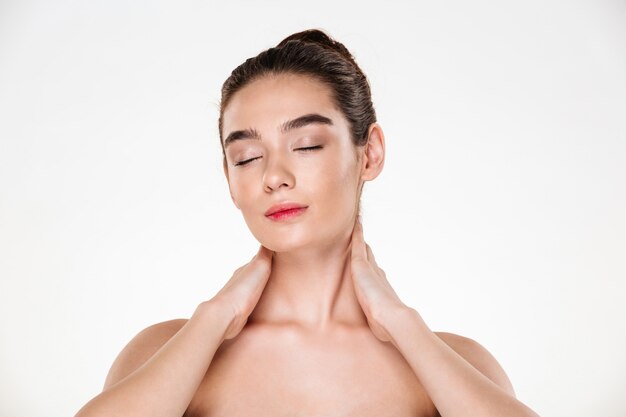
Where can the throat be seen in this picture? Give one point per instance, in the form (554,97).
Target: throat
(314,298)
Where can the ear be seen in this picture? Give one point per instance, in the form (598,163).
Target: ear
(374,154)
(225,166)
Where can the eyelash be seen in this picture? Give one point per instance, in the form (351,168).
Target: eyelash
(307,149)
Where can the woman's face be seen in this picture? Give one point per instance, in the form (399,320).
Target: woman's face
(325,179)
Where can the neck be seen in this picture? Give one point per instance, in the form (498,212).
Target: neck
(311,288)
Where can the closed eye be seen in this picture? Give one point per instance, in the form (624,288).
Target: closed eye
(246,161)
(310,148)
(307,149)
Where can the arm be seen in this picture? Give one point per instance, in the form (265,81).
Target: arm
(162,384)
(460,376)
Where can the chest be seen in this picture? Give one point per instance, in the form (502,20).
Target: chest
(277,374)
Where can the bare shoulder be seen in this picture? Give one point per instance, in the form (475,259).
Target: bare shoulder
(479,357)
(141,348)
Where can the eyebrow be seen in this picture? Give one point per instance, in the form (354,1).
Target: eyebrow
(296,123)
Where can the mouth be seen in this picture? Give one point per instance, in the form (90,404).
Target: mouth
(285,210)
(286,214)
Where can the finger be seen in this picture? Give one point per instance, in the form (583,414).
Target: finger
(357,232)
(266,252)
(372,259)
(264,257)
(370,254)
(358,244)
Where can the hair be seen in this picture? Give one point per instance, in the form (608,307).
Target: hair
(314,53)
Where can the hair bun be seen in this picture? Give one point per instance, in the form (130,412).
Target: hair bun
(319,37)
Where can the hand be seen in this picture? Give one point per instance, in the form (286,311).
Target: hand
(374,293)
(243,290)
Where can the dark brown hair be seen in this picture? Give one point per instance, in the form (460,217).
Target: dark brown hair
(311,52)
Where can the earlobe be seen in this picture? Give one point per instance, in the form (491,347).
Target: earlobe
(374,153)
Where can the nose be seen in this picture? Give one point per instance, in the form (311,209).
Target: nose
(277,175)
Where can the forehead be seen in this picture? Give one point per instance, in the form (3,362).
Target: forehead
(267,102)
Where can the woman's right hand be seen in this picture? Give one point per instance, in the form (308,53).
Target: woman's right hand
(243,290)
(160,369)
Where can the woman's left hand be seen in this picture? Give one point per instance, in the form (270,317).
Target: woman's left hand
(376,296)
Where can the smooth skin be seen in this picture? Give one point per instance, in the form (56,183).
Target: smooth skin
(311,325)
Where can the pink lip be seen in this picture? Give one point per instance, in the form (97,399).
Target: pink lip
(287,214)
(283,210)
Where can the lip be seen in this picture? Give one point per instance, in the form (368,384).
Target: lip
(288,205)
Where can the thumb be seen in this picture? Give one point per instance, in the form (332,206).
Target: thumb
(265,252)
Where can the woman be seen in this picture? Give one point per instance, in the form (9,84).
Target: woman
(310,326)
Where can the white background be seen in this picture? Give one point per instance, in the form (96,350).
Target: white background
(499,214)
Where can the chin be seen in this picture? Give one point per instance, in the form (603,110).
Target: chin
(305,233)
(278,243)
(288,240)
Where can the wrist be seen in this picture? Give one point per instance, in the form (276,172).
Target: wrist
(389,316)
(401,321)
(216,316)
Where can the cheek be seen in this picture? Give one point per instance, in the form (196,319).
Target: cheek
(243,192)
(337,183)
